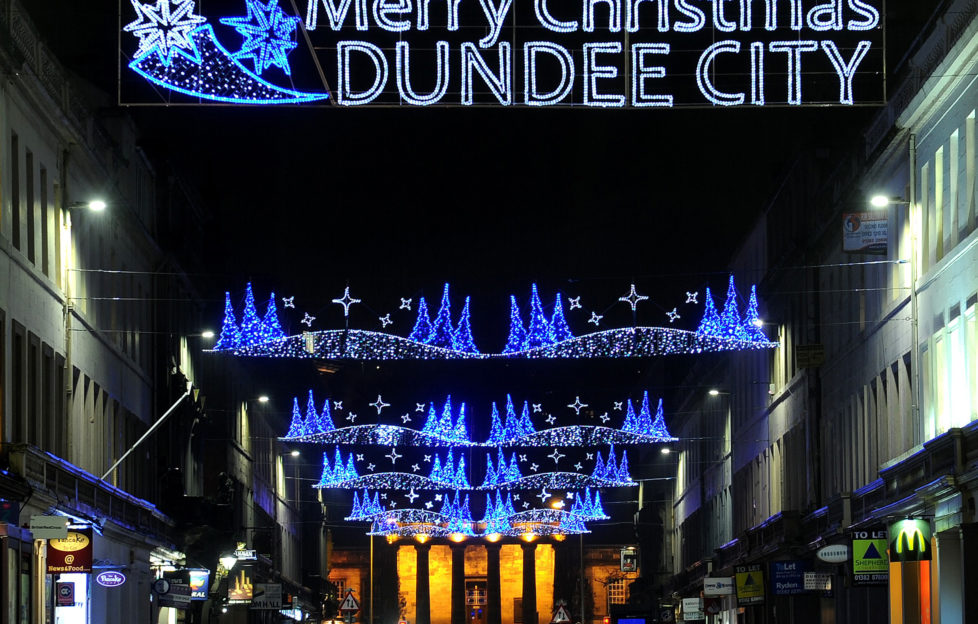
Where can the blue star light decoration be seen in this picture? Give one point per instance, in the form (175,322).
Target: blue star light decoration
(164,25)
(269,35)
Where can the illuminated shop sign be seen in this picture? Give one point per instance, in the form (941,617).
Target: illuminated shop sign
(910,540)
(584,53)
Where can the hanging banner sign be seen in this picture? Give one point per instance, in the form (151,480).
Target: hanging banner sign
(865,232)
(592,54)
(72,553)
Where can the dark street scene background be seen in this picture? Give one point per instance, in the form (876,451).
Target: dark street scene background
(322,361)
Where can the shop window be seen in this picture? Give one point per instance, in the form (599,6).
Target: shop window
(617,592)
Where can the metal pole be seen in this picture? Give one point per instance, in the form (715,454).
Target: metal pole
(913,213)
(149,431)
(581,536)
(371,603)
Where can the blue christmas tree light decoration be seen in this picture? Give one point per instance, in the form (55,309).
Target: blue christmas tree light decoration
(730,326)
(517,332)
(558,324)
(511,425)
(271,329)
(431,424)
(445,425)
(539,334)
(296,428)
(496,432)
(250,323)
(459,432)
(230,332)
(659,430)
(513,473)
(436,470)
(350,472)
(311,426)
(461,480)
(525,426)
(752,321)
(611,468)
(463,332)
(710,323)
(631,424)
(644,423)
(357,511)
(422,326)
(599,469)
(442,334)
(327,474)
(326,419)
(491,478)
(623,474)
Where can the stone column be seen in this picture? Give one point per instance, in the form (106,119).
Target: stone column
(529,583)
(458,584)
(423,616)
(494,612)
(969,554)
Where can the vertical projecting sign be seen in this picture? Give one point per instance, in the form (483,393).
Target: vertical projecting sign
(582,53)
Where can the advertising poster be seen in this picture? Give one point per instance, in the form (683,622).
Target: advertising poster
(750,584)
(788,577)
(865,232)
(240,587)
(870,565)
(266,596)
(199,580)
(72,553)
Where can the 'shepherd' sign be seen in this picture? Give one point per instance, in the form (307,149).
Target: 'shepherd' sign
(588,53)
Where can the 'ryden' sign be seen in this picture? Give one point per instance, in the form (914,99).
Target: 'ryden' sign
(588,53)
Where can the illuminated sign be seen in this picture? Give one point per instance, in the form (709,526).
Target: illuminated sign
(594,54)
(199,579)
(241,588)
(110,579)
(71,554)
(910,540)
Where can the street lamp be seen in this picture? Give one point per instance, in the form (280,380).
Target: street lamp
(95,205)
(207,334)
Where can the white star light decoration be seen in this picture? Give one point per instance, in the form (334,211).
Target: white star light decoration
(537,408)
(307,319)
(522,458)
(393,455)
(384,495)
(526,505)
(590,456)
(411,495)
(352,417)
(405,304)
(570,495)
(427,458)
(543,495)
(578,466)
(437,498)
(691,296)
(420,407)
(415,467)
(429,505)
(550,419)
(337,405)
(269,35)
(288,302)
(632,298)
(577,405)
(605,418)
(534,467)
(385,321)
(346,301)
(379,404)
(595,318)
(359,457)
(673,315)
(164,25)
(406,419)
(556,455)
(618,405)
(371,466)
(575,302)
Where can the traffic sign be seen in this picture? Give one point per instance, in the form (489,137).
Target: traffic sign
(560,615)
(350,603)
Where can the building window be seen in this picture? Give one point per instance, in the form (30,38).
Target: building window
(617,592)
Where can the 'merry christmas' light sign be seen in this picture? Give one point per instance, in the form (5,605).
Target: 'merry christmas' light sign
(592,53)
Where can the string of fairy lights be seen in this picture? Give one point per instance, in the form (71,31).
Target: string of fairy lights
(430,485)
